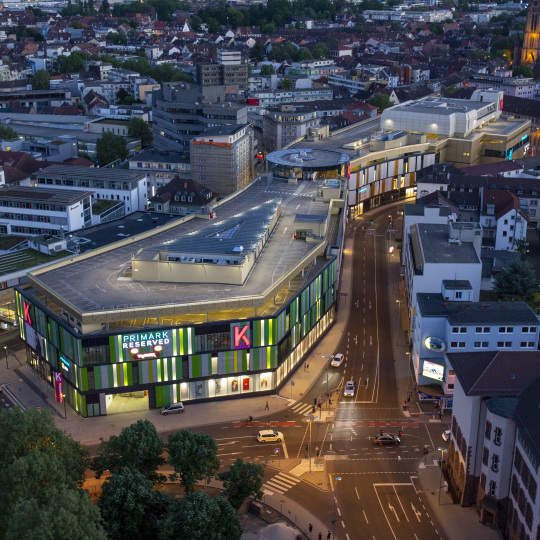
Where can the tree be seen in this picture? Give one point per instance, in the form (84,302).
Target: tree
(199,517)
(436,29)
(66,514)
(139,129)
(268,29)
(38,462)
(321,50)
(138,446)
(72,63)
(41,80)
(257,52)
(243,480)
(77,25)
(105,7)
(193,457)
(517,281)
(267,69)
(381,101)
(450,90)
(7,133)
(523,71)
(287,84)
(127,502)
(122,95)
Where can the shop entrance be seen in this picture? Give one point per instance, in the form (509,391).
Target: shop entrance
(127,402)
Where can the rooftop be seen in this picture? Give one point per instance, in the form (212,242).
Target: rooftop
(457,284)
(308,158)
(161,156)
(434,305)
(120,175)
(54,196)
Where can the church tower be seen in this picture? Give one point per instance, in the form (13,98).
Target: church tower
(531,46)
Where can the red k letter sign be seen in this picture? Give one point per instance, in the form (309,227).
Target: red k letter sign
(27,317)
(58,387)
(241,336)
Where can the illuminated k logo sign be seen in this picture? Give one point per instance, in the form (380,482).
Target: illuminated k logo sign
(27,313)
(240,335)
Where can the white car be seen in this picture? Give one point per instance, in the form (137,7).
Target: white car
(446,435)
(349,389)
(337,360)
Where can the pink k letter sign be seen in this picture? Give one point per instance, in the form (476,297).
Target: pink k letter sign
(58,390)
(240,336)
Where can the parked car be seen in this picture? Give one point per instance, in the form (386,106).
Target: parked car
(446,435)
(172,408)
(349,389)
(337,360)
(269,435)
(386,438)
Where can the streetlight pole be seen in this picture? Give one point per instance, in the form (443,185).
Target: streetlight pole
(5,349)
(337,479)
(64,400)
(309,419)
(440,475)
(408,372)
(328,360)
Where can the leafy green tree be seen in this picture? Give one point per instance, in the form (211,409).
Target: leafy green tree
(257,52)
(66,514)
(7,133)
(77,25)
(41,80)
(523,71)
(138,446)
(436,29)
(140,129)
(38,461)
(381,101)
(268,29)
(305,54)
(517,281)
(193,457)
(450,90)
(199,517)
(321,50)
(267,69)
(129,507)
(121,95)
(72,64)
(213,26)
(105,7)
(242,480)
(287,84)
(24,31)
(277,54)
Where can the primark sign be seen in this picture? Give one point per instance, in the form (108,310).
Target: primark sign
(148,345)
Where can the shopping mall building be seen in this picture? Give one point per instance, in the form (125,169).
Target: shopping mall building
(218,305)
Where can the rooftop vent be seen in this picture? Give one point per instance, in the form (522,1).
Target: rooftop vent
(238,249)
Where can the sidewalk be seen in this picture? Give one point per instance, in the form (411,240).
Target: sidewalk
(458,523)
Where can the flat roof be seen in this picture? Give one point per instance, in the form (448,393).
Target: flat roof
(437,250)
(440,106)
(56,196)
(308,158)
(92,172)
(95,282)
(163,156)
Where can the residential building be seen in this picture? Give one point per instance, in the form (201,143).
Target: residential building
(284,125)
(492,461)
(127,188)
(109,125)
(160,167)
(268,99)
(415,16)
(223,158)
(181,111)
(229,71)
(450,321)
(522,87)
(29,211)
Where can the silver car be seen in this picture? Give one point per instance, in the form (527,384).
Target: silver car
(349,389)
(172,408)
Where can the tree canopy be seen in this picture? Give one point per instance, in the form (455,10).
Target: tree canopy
(267,69)
(109,148)
(199,517)
(241,481)
(138,128)
(42,471)
(138,446)
(72,63)
(523,71)
(517,281)
(7,133)
(381,101)
(41,80)
(193,457)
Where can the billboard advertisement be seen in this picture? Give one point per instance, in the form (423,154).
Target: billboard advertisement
(35,340)
(58,387)
(148,345)
(241,335)
(433,371)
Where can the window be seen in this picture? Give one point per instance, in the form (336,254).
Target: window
(504,344)
(483,481)
(526,344)
(459,295)
(495,463)
(493,488)
(485,456)
(528,330)
(506,329)
(505,233)
(498,436)
(482,330)
(488,430)
(481,344)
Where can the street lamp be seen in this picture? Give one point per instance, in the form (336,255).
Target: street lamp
(309,419)
(440,475)
(328,360)
(5,349)
(65,411)
(408,372)
(337,479)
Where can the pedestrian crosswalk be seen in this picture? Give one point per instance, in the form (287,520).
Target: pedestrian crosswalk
(279,484)
(301,408)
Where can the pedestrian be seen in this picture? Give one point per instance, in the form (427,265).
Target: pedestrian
(310,529)
(266,407)
(440,415)
(328,536)
(320,535)
(307,366)
(399,459)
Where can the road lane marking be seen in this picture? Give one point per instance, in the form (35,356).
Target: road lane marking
(399,500)
(285,453)
(365,517)
(358,496)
